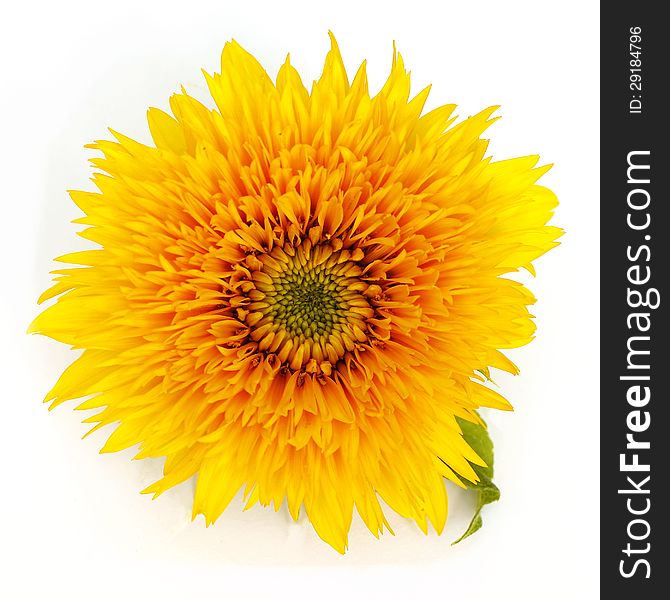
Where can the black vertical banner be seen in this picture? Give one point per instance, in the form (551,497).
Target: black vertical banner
(635,260)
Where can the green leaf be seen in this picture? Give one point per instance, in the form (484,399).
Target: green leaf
(477,437)
(474,526)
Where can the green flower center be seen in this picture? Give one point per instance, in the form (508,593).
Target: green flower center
(308,302)
(308,305)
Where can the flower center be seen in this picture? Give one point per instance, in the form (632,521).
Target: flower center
(308,305)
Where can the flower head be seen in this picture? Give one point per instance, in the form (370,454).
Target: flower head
(299,292)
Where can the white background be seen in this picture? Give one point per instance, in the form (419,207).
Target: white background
(73,522)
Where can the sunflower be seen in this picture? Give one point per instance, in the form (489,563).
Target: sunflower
(300,293)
